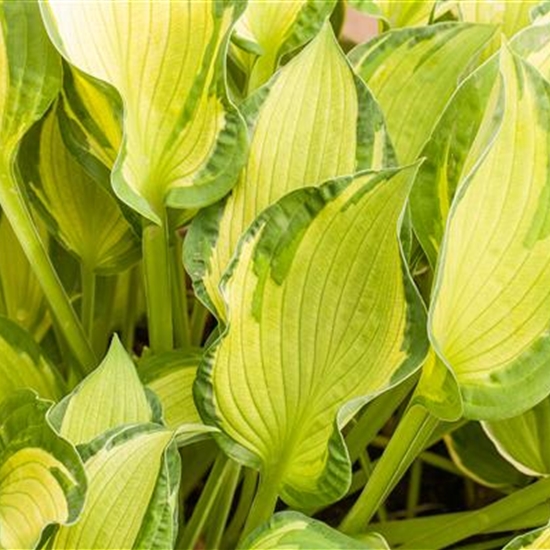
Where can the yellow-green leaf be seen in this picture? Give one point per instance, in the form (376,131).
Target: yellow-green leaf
(398,13)
(268,30)
(79,211)
(489,320)
(42,479)
(23,365)
(21,296)
(133,477)
(171,376)
(294,530)
(109,397)
(523,439)
(533,44)
(539,539)
(314,120)
(475,455)
(183,141)
(413,74)
(322,316)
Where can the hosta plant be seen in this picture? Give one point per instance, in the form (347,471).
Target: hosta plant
(255,276)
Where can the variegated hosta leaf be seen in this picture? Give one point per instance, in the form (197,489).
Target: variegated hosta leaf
(183,141)
(294,530)
(78,210)
(28,82)
(475,455)
(540,14)
(523,439)
(171,376)
(42,480)
(399,68)
(322,317)
(398,13)
(539,539)
(455,146)
(533,44)
(133,476)
(21,295)
(489,321)
(91,119)
(112,395)
(23,365)
(268,30)
(314,120)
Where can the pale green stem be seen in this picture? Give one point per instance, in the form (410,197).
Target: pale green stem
(132,298)
(216,480)
(87,303)
(481,520)
(220,513)
(376,414)
(406,444)
(413,495)
(20,218)
(179,290)
(263,504)
(156,268)
(248,489)
(198,323)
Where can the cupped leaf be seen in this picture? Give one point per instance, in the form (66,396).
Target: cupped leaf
(133,476)
(489,321)
(398,13)
(523,439)
(21,297)
(399,68)
(183,141)
(42,479)
(474,454)
(171,376)
(109,397)
(294,530)
(23,365)
(268,30)
(539,539)
(314,120)
(78,210)
(322,317)
(509,16)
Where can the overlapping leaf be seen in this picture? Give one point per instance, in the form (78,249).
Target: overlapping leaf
(21,296)
(399,68)
(322,315)
(171,376)
(79,210)
(42,480)
(533,43)
(398,13)
(539,539)
(133,476)
(474,454)
(489,320)
(294,530)
(109,397)
(23,365)
(183,141)
(268,30)
(523,439)
(314,120)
